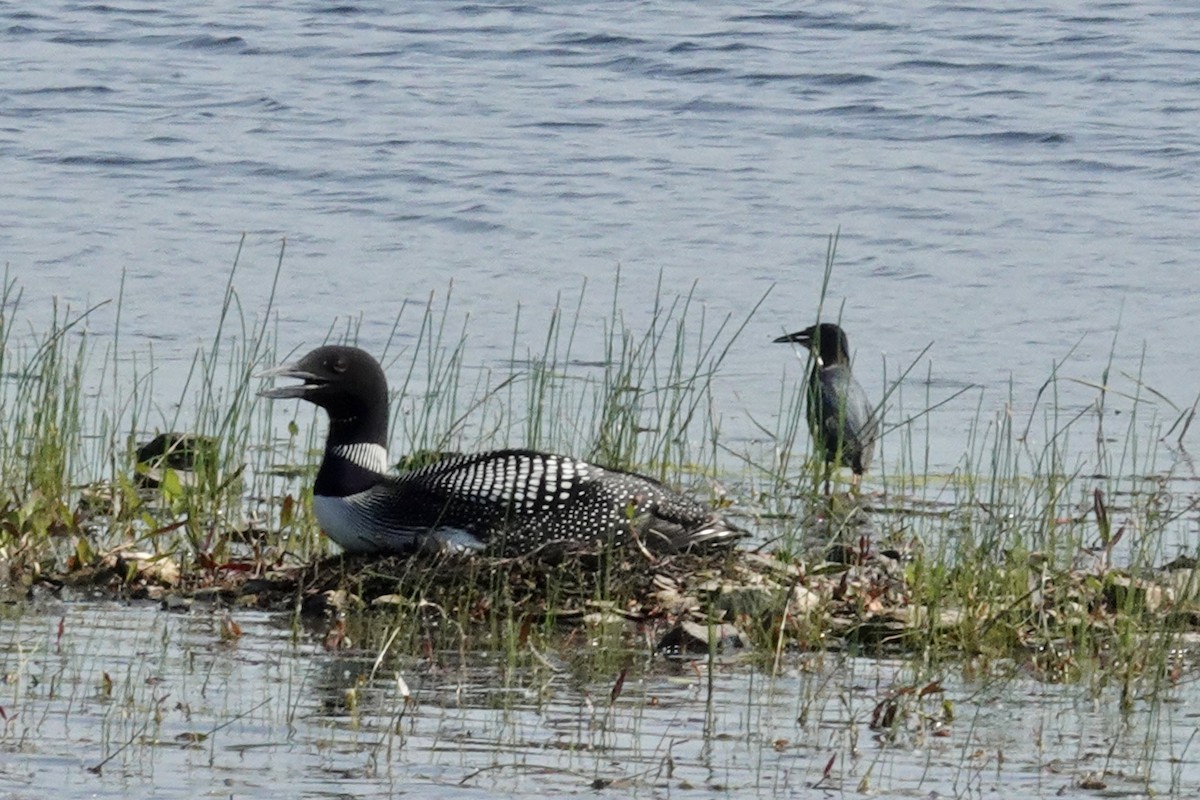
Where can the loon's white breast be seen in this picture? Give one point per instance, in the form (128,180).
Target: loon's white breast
(350,522)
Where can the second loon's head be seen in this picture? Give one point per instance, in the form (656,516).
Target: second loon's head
(827,341)
(345,381)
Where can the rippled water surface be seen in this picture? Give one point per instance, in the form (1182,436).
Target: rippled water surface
(1014,185)
(106,701)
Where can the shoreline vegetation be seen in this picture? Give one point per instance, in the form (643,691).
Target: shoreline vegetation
(1016,557)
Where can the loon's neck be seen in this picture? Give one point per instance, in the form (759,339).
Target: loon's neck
(356,456)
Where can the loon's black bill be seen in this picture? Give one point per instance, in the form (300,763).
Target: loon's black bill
(803,337)
(310,381)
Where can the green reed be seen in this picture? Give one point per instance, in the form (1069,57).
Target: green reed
(1003,556)
(72,417)
(41,405)
(1022,560)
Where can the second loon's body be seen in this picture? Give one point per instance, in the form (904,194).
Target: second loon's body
(841,419)
(508,501)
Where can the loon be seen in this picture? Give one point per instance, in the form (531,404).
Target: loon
(840,417)
(506,501)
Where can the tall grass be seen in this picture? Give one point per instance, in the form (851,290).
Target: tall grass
(1027,559)
(646,405)
(1010,553)
(41,406)
(71,419)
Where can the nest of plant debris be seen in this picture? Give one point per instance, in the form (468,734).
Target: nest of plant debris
(728,599)
(689,602)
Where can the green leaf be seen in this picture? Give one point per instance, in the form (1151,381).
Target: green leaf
(172,487)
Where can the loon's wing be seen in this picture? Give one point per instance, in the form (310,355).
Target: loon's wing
(519,500)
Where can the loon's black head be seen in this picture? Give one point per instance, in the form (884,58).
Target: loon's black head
(345,381)
(827,341)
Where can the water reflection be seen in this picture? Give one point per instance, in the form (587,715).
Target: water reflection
(187,709)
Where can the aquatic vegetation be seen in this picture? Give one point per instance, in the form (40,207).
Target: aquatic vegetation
(1015,555)
(1018,567)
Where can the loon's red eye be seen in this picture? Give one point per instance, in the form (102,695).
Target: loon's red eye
(339,364)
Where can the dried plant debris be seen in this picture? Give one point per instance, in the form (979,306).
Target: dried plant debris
(685,605)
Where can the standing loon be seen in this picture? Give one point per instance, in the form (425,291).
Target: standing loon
(507,501)
(841,419)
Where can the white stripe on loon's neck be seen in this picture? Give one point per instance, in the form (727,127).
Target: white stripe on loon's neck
(350,468)
(367,455)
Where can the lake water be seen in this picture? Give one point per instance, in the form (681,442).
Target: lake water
(190,713)
(1014,186)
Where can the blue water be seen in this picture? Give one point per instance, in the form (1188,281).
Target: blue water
(1013,185)
(161,705)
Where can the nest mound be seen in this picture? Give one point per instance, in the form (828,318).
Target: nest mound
(689,603)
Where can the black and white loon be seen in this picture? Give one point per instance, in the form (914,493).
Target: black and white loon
(841,419)
(506,501)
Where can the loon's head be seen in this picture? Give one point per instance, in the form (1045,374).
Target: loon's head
(826,340)
(345,381)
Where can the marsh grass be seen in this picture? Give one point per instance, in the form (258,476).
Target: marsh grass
(456,603)
(73,417)
(646,404)
(41,405)
(1026,561)
(1019,553)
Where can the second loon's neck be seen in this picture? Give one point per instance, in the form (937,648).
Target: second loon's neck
(822,365)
